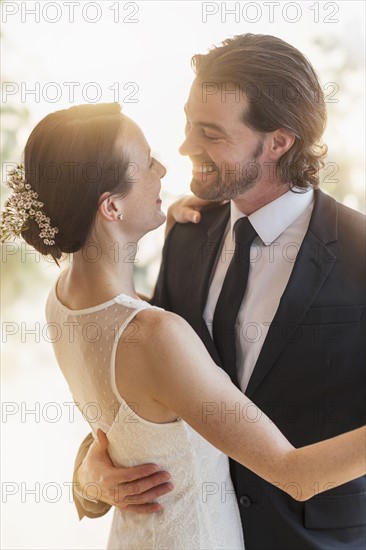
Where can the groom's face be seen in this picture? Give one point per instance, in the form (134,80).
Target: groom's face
(227,156)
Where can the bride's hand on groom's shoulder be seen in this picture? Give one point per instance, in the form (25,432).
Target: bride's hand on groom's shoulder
(187,209)
(134,488)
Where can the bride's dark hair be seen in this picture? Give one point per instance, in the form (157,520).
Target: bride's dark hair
(72,157)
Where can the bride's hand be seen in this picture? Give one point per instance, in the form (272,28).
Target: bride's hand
(187,209)
(133,488)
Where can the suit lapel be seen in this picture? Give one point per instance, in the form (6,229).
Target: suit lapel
(203,261)
(313,264)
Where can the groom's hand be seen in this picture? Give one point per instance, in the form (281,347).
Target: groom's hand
(133,489)
(187,209)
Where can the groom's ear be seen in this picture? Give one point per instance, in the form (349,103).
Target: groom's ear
(108,207)
(280,141)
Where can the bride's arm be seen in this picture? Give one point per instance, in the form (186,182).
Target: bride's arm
(187,209)
(180,374)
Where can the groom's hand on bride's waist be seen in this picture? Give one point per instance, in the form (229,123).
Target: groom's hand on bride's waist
(134,489)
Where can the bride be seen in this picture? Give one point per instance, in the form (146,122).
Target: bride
(90,187)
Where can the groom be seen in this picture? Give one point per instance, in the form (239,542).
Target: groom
(255,115)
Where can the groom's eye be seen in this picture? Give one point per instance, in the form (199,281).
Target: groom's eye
(211,138)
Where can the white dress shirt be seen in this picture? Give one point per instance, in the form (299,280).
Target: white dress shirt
(281,226)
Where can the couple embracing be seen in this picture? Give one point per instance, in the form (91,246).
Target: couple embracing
(232,402)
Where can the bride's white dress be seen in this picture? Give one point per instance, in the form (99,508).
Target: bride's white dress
(201,511)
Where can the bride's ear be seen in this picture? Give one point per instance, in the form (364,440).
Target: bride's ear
(109,207)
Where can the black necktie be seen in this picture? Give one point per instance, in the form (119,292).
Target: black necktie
(231,296)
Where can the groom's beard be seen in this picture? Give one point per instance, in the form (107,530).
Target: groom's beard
(230,182)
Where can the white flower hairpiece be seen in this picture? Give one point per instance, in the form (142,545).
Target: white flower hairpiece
(21,206)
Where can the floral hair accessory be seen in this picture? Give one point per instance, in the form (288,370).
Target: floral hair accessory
(21,206)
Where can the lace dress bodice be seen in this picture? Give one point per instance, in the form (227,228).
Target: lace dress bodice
(201,511)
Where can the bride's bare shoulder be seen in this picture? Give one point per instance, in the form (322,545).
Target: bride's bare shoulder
(154,319)
(160,326)
(155,338)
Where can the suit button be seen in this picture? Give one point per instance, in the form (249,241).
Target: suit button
(245,501)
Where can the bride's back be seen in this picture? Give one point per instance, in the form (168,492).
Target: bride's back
(201,511)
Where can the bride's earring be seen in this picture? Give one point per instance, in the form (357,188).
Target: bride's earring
(120,216)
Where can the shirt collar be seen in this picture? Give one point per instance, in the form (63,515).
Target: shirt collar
(273,218)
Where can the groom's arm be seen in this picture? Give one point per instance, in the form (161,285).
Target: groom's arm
(85,507)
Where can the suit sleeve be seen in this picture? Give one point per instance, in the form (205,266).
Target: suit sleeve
(85,507)
(161,295)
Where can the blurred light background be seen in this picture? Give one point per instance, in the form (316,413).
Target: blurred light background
(137,53)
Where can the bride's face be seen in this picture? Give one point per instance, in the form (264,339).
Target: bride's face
(141,207)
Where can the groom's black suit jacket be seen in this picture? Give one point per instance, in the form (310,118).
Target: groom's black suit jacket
(310,375)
